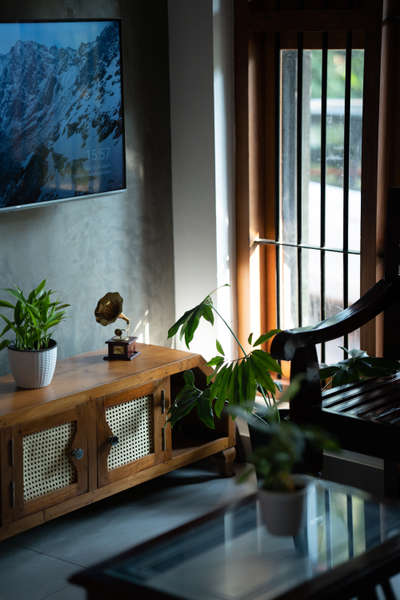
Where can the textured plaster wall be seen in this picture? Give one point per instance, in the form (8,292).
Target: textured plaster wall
(120,242)
(202,143)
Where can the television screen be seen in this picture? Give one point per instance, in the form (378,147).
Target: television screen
(61,111)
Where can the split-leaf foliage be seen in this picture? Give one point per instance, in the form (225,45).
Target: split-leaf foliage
(35,316)
(232,382)
(356,367)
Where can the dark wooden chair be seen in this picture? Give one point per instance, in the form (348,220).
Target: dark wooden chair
(365,417)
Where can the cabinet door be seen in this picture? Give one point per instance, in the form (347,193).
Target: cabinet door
(130,432)
(50,461)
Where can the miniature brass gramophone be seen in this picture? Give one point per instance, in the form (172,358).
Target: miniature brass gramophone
(122,346)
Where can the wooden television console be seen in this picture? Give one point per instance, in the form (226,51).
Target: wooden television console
(96,430)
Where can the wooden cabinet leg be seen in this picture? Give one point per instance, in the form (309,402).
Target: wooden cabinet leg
(224,461)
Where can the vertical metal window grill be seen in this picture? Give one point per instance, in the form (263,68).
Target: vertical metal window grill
(309,243)
(317,184)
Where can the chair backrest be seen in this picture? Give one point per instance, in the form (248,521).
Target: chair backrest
(298,345)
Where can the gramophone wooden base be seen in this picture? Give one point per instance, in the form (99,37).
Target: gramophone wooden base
(121,349)
(134,355)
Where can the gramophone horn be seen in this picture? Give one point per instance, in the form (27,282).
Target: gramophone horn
(109,309)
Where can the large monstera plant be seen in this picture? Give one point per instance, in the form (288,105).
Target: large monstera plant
(233,383)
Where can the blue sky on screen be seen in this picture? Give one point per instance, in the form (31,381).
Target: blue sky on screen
(61,34)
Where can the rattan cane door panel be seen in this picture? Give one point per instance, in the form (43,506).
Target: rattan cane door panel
(129,433)
(50,461)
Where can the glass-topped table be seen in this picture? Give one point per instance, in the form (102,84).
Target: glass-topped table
(348,542)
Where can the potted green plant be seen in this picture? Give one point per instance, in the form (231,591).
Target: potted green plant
(232,382)
(232,386)
(357,366)
(282,490)
(33,354)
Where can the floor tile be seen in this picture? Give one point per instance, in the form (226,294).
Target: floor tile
(29,575)
(107,528)
(69,592)
(36,564)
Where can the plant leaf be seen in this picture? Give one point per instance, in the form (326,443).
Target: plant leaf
(208,313)
(6,328)
(251,386)
(239,383)
(231,391)
(39,288)
(219,386)
(188,377)
(261,373)
(178,411)
(219,348)
(326,372)
(216,361)
(9,323)
(174,328)
(354,353)
(357,367)
(18,313)
(189,322)
(17,293)
(4,344)
(6,304)
(190,328)
(204,409)
(342,377)
(270,364)
(266,336)
(249,339)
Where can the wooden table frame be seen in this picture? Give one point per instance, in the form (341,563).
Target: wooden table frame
(353,578)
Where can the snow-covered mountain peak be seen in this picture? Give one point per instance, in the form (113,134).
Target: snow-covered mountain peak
(59,107)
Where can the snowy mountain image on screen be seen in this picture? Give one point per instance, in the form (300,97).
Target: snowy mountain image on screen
(61,132)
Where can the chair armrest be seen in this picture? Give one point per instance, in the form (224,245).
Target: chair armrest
(381,295)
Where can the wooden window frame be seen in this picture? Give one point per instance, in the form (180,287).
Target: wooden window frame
(259,36)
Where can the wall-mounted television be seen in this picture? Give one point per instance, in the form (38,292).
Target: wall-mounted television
(61,111)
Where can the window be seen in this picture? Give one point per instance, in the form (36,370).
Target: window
(319,198)
(312,168)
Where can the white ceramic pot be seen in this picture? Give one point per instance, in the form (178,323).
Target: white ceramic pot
(283,512)
(33,368)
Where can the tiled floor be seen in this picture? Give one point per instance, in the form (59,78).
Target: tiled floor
(36,564)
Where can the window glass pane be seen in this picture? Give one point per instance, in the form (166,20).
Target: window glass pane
(311,286)
(311,157)
(357,72)
(288,205)
(333,300)
(334,147)
(289,286)
(311,187)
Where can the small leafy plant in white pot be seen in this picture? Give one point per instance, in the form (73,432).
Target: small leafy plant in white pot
(33,354)
(282,491)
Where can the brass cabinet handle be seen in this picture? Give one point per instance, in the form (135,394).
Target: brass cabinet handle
(113,440)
